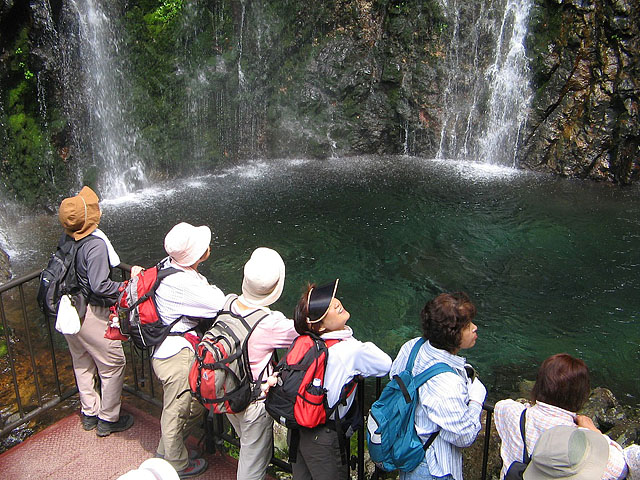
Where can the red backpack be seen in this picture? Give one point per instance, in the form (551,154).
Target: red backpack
(220,377)
(299,398)
(136,307)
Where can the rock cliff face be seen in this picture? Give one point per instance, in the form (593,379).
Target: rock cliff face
(586,70)
(212,81)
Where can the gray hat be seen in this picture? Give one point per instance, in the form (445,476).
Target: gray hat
(569,453)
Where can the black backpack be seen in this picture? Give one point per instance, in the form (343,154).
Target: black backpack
(516,469)
(59,277)
(299,399)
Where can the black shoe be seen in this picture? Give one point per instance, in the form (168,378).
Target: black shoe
(195,468)
(89,422)
(107,428)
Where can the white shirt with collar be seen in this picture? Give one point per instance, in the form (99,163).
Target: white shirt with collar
(184,293)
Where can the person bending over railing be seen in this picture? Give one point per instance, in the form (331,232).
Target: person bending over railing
(561,389)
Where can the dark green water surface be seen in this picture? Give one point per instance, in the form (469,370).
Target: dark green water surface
(552,264)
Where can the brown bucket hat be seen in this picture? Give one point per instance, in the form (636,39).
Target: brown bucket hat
(80,215)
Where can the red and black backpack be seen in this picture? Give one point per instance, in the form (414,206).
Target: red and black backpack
(136,307)
(299,398)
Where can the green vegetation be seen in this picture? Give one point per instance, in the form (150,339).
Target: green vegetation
(29,167)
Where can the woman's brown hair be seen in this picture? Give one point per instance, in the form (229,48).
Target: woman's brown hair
(444,318)
(562,381)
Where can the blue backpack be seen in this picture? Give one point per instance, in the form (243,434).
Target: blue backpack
(391,432)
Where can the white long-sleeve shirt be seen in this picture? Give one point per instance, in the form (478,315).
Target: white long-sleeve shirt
(184,293)
(348,358)
(444,405)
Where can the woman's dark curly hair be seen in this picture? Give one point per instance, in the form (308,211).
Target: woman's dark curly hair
(444,318)
(562,381)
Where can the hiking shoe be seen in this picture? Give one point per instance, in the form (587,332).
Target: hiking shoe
(193,454)
(107,428)
(89,422)
(195,468)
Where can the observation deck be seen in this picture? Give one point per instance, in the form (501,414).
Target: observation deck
(64,451)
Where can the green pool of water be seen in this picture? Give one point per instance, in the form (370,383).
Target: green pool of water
(552,264)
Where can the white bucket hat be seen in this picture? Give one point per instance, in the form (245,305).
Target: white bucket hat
(570,453)
(185,244)
(152,469)
(263,278)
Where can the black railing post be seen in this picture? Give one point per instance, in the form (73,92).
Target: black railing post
(52,349)
(10,355)
(34,367)
(361,430)
(487,437)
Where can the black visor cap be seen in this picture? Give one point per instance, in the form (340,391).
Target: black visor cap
(320,300)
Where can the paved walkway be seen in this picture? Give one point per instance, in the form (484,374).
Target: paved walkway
(64,451)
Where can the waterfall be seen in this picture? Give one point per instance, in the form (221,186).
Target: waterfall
(95,57)
(241,79)
(510,93)
(487,91)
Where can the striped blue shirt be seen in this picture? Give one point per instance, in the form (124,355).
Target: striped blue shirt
(444,405)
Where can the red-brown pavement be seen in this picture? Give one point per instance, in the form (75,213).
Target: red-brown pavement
(64,451)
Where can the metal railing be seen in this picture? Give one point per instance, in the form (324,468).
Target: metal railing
(21,324)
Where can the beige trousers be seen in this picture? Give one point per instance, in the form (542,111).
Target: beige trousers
(254,426)
(93,354)
(181,413)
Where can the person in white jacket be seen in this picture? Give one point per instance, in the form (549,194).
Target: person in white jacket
(319,456)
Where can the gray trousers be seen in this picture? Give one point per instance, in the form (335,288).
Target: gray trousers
(93,354)
(319,456)
(254,426)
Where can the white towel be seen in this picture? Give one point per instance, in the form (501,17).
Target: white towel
(114,259)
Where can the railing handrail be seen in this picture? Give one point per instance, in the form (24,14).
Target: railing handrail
(16,282)
(218,432)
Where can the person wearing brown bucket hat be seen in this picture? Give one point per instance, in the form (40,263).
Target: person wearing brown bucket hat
(91,353)
(185,297)
(262,285)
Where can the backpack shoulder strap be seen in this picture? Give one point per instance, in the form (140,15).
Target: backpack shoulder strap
(432,371)
(523,420)
(414,353)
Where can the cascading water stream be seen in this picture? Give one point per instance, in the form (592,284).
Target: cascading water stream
(241,79)
(510,93)
(487,90)
(114,139)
